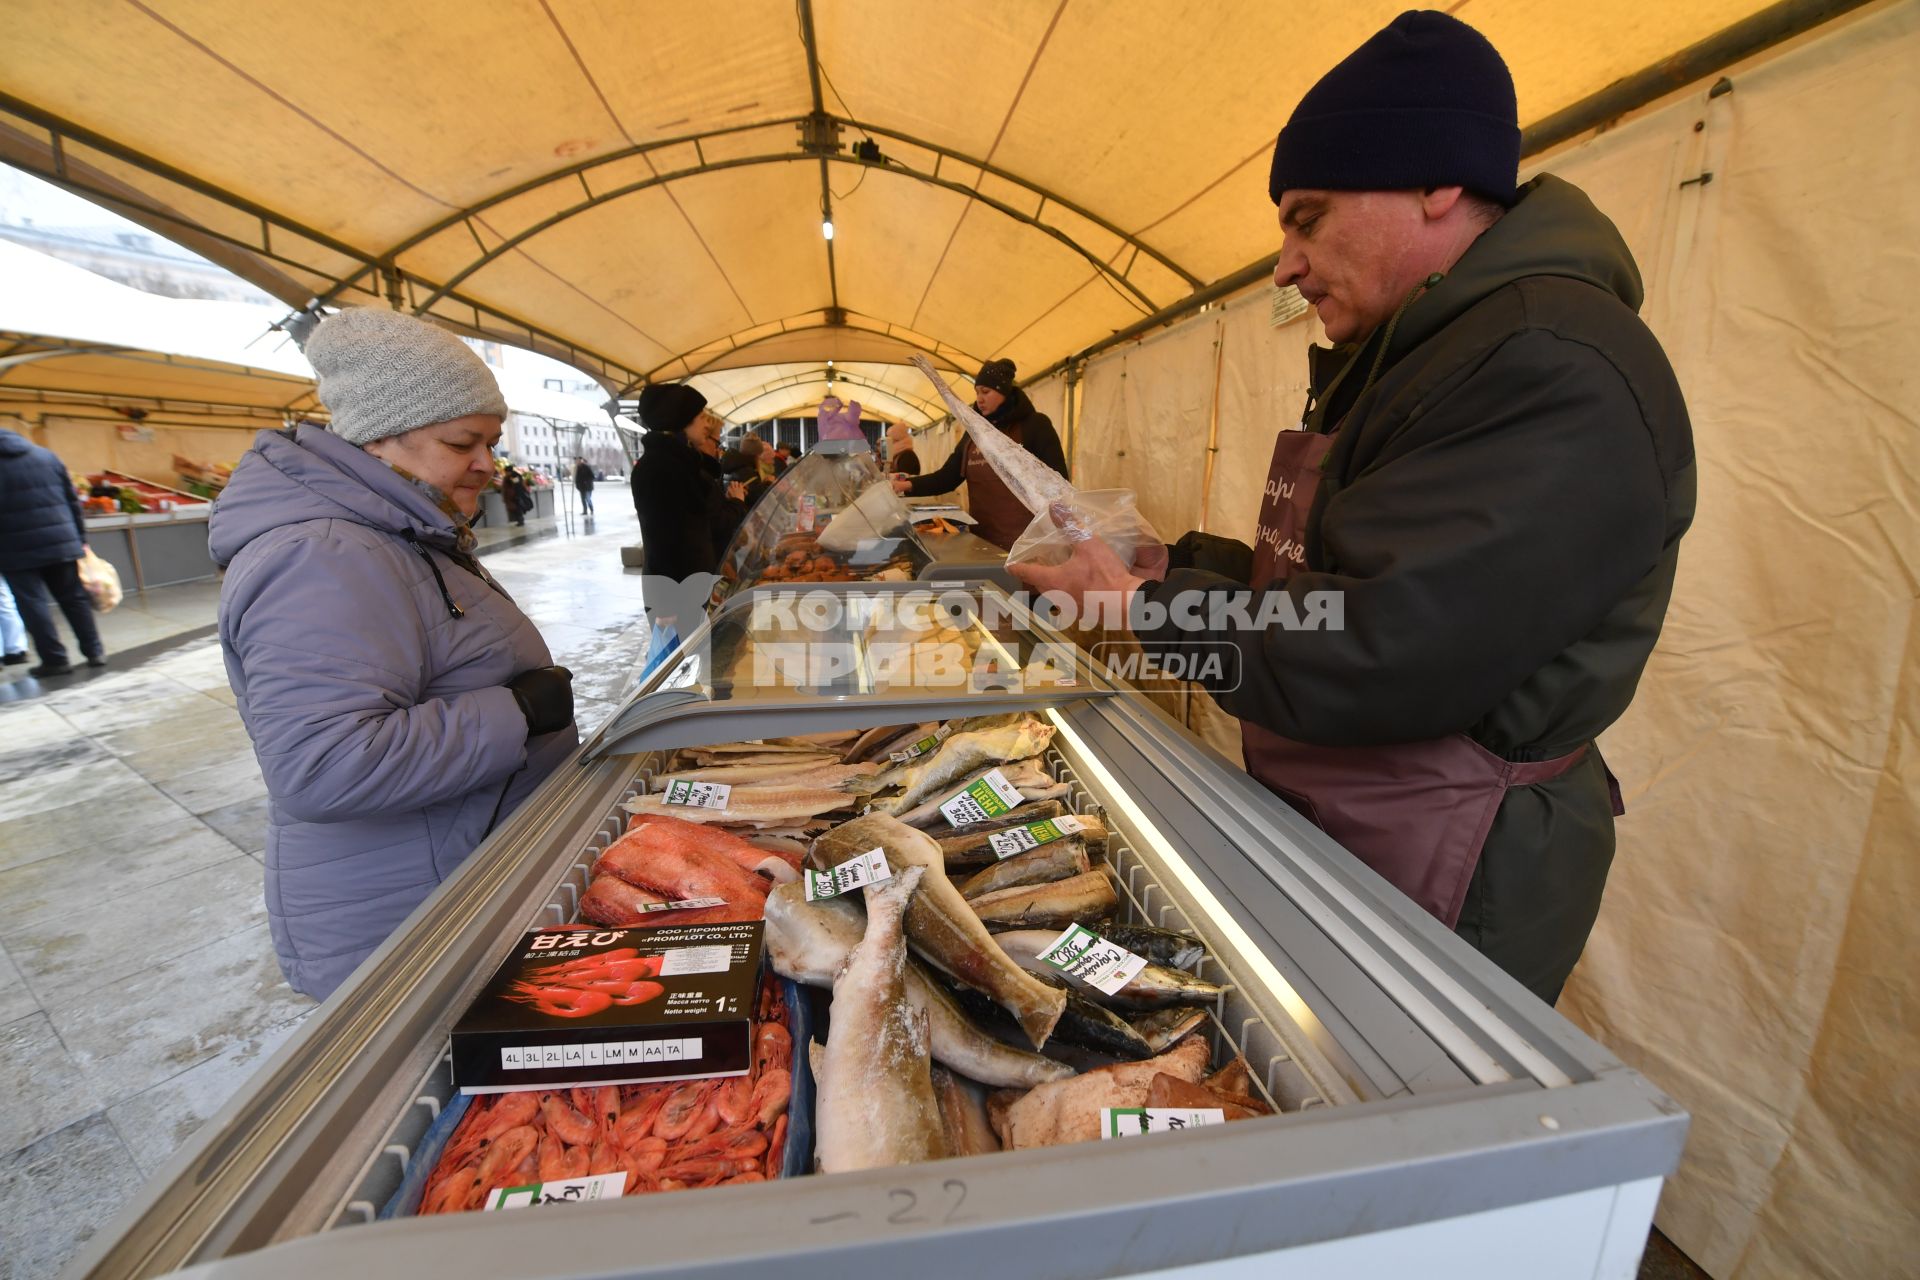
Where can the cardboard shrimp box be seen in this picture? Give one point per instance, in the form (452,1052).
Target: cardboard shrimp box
(591,1006)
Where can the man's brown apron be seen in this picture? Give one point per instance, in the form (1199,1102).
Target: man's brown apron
(1416,812)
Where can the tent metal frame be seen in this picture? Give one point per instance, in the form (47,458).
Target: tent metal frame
(928,407)
(378,274)
(849,322)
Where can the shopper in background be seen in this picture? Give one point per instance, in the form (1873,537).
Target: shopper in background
(13,632)
(400,704)
(516,495)
(42,535)
(583,485)
(901,459)
(1492,477)
(751,465)
(687,509)
(1002,517)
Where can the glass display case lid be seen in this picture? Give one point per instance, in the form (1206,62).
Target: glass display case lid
(781,660)
(832,516)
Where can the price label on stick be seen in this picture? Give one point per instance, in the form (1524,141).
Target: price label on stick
(921,747)
(987,796)
(855,873)
(1034,834)
(1126,1122)
(605,1186)
(1081,953)
(698,795)
(685,904)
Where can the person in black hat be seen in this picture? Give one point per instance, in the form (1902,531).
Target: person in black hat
(687,511)
(1002,517)
(1493,474)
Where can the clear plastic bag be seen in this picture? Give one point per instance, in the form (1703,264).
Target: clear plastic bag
(1110,515)
(1066,515)
(101,581)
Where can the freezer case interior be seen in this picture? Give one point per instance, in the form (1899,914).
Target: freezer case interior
(1412,1083)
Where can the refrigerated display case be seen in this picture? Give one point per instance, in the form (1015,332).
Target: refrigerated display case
(1434,1118)
(832,516)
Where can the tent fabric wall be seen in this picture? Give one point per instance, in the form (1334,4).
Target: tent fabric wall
(1754,955)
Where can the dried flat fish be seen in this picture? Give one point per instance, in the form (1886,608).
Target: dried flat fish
(735,775)
(875,743)
(1029,777)
(757,748)
(966,753)
(831,738)
(755,806)
(743,760)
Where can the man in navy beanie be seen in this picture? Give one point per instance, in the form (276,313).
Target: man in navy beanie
(1491,477)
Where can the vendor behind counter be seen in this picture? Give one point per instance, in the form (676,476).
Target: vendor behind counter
(1002,517)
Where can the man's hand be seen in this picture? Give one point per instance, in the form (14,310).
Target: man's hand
(901,484)
(1092,572)
(737,491)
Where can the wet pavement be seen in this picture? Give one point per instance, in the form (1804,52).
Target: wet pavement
(138,987)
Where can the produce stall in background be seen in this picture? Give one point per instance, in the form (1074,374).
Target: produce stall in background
(153,535)
(1390,1099)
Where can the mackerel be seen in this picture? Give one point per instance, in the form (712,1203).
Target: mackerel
(1154,987)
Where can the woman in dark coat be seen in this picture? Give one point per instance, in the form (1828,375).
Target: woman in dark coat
(1002,517)
(687,511)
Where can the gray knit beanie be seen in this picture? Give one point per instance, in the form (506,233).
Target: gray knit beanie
(383,373)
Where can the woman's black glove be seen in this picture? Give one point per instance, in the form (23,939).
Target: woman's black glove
(545,695)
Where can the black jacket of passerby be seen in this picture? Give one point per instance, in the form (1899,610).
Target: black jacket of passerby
(40,515)
(685,516)
(583,477)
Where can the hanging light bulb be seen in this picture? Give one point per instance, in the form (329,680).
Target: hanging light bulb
(826,227)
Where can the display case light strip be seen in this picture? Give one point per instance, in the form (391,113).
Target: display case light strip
(1243,946)
(1475,1060)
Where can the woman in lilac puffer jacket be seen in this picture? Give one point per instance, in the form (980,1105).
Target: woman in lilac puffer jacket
(400,704)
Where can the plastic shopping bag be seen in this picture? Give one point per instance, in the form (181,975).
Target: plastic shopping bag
(1065,515)
(100,580)
(1107,514)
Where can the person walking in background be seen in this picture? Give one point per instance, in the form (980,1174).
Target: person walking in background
(583,484)
(13,632)
(42,535)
